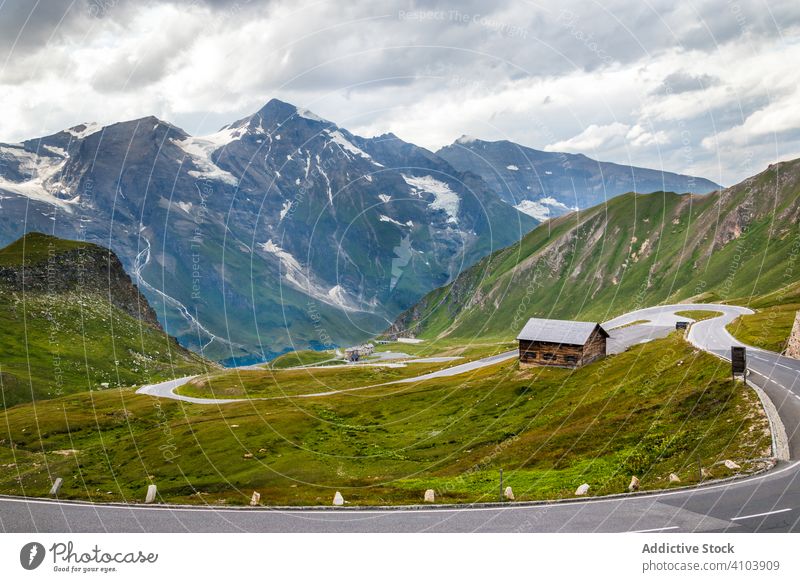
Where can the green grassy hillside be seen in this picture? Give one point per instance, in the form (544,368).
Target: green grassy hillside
(633,252)
(549,430)
(71,321)
(770,326)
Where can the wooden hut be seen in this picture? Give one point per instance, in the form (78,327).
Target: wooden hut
(556,342)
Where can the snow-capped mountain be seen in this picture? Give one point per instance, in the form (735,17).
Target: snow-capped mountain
(281,230)
(548,184)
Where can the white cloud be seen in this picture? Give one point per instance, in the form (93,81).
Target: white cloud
(779,117)
(678,86)
(592,138)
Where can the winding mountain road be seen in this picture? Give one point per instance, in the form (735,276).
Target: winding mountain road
(769,501)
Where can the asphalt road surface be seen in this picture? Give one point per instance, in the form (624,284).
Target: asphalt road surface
(769,502)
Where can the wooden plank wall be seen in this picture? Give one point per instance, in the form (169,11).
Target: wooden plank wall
(563,355)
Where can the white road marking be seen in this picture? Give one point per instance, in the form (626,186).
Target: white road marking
(761,514)
(654,529)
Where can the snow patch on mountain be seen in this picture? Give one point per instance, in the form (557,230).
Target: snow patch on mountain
(287,204)
(306,114)
(185,206)
(327,181)
(444,198)
(339,139)
(200,150)
(60,152)
(384,218)
(338,295)
(544,208)
(84,130)
(293,270)
(295,275)
(41,172)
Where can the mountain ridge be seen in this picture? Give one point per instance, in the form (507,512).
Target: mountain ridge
(546,184)
(280,231)
(302,234)
(634,251)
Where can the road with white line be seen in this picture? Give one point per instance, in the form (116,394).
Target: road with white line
(769,501)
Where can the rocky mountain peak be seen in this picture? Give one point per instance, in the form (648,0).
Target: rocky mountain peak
(277,114)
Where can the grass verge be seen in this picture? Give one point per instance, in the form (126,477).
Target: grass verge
(698,314)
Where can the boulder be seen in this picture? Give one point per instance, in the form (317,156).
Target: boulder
(731,465)
(634,486)
(582,490)
(151,494)
(509,494)
(430,496)
(673,478)
(255,499)
(338,499)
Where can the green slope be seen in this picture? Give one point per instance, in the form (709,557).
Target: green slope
(633,252)
(549,430)
(71,321)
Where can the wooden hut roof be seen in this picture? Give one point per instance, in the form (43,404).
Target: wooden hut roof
(559,331)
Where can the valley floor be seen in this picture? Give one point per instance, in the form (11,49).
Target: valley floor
(659,408)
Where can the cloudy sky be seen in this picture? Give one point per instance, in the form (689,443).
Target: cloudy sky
(703,87)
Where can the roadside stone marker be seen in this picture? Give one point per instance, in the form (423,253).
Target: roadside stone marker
(151,494)
(582,490)
(509,494)
(430,496)
(56,486)
(255,499)
(634,486)
(673,478)
(338,499)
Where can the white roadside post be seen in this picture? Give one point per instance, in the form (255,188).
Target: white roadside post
(56,487)
(152,490)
